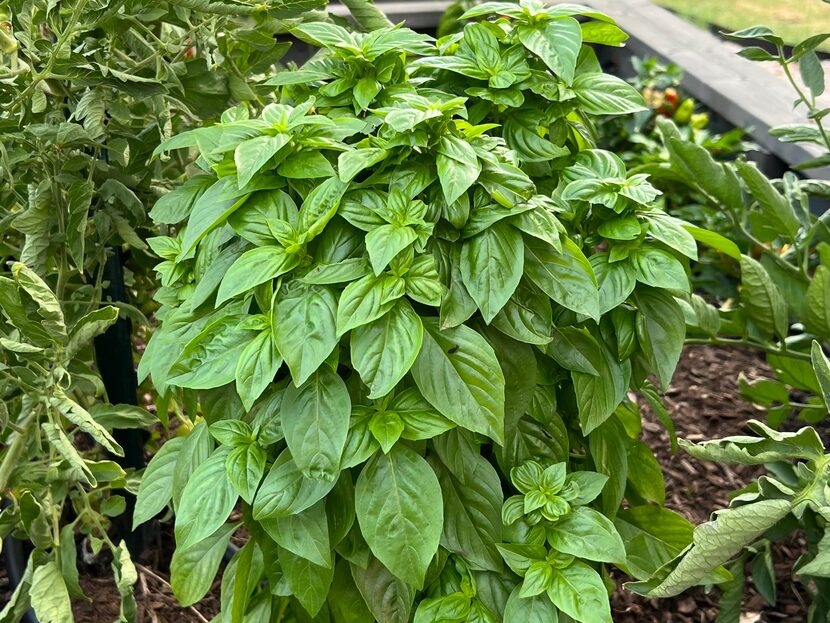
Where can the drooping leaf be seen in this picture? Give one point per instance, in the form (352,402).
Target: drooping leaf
(398,505)
(384,350)
(492,264)
(315,420)
(458,373)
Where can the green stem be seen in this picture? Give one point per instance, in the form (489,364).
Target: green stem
(221,8)
(801,405)
(62,40)
(772,350)
(809,103)
(16,448)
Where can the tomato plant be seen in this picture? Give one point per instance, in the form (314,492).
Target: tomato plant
(780,309)
(403,311)
(87,90)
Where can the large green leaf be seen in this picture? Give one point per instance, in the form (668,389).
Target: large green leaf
(527,317)
(617,281)
(566,277)
(384,350)
(661,330)
(211,210)
(458,373)
(492,264)
(399,508)
(556,42)
(156,488)
(193,568)
(603,94)
(658,268)
(286,491)
(609,445)
(209,359)
(458,167)
(598,396)
(315,420)
(538,609)
(320,206)
(588,534)
(305,534)
(384,242)
(579,592)
(253,268)
(309,583)
(256,368)
(367,299)
(303,321)
(388,598)
(472,502)
(207,501)
(251,155)
(245,466)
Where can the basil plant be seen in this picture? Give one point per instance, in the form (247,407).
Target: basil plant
(400,322)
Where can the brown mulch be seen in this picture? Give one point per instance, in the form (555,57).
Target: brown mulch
(155,602)
(705,403)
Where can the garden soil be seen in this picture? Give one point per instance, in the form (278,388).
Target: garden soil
(704,403)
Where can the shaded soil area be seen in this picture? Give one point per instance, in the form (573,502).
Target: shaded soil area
(704,403)
(155,602)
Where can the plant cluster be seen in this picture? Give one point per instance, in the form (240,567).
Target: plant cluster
(780,308)
(87,90)
(407,289)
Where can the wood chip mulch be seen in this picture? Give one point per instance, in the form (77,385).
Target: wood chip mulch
(705,403)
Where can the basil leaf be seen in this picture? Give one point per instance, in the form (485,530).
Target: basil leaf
(207,500)
(458,373)
(366,300)
(492,263)
(305,534)
(588,534)
(579,592)
(458,167)
(286,491)
(256,368)
(567,278)
(661,331)
(253,268)
(156,488)
(603,94)
(397,500)
(557,43)
(303,324)
(315,421)
(384,350)
(193,568)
